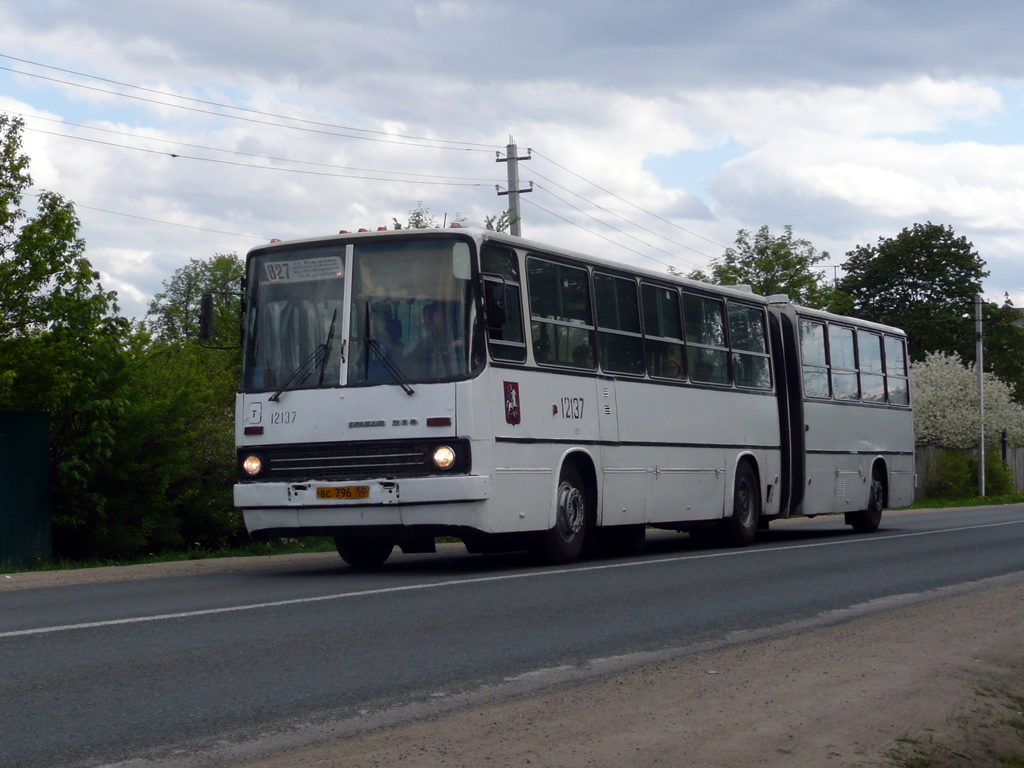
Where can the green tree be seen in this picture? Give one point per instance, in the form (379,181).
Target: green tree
(419,218)
(141,436)
(772,264)
(60,338)
(188,391)
(165,482)
(45,279)
(500,223)
(944,391)
(168,481)
(1004,344)
(924,280)
(174,312)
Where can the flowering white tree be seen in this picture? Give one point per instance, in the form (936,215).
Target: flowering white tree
(944,394)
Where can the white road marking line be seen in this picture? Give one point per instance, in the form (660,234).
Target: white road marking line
(645,562)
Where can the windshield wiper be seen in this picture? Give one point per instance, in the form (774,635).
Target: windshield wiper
(389,365)
(312,359)
(327,348)
(312,362)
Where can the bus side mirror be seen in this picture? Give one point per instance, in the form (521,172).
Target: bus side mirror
(206,317)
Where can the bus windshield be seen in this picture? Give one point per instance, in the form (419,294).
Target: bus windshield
(410,315)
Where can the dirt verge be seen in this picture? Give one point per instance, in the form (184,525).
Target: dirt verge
(937,681)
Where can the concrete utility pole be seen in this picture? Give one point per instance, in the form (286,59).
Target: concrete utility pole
(512,158)
(979,355)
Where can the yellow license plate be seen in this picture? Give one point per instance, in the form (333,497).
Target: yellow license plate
(343,492)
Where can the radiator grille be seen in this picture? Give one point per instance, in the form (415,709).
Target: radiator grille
(353,461)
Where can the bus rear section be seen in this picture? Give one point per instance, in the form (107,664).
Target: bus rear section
(850,423)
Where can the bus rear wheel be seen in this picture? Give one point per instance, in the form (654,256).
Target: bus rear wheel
(563,542)
(868,520)
(741,528)
(363,553)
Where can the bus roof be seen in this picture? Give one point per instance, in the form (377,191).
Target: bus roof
(479,235)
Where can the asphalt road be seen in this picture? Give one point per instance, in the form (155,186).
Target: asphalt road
(100,673)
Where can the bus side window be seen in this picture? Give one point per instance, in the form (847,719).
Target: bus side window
(560,319)
(663,332)
(749,342)
(706,350)
(812,353)
(503,300)
(872,380)
(618,323)
(844,363)
(896,371)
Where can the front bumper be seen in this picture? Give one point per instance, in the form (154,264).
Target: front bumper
(443,501)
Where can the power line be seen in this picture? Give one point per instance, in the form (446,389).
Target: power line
(627,202)
(391,138)
(167,223)
(597,234)
(230,151)
(260,167)
(172,223)
(230,106)
(621,232)
(420,177)
(417,142)
(621,218)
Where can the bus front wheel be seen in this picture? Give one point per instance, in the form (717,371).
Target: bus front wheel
(741,528)
(563,542)
(363,553)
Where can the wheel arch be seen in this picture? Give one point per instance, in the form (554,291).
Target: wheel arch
(750,459)
(881,467)
(584,463)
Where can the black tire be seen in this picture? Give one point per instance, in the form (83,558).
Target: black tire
(363,553)
(741,528)
(868,520)
(563,543)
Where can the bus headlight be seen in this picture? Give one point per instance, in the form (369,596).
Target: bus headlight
(252,465)
(444,457)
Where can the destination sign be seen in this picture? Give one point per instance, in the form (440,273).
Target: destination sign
(298,270)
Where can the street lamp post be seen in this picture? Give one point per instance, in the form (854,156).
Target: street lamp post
(979,353)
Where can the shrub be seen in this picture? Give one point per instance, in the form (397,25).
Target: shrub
(954,476)
(998,477)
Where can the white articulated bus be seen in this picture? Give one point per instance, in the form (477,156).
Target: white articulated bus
(403,385)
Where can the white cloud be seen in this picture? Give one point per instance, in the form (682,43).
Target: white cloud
(839,113)
(848,119)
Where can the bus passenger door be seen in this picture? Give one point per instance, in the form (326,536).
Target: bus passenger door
(624,476)
(819,494)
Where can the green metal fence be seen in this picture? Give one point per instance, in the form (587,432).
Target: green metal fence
(24,488)
(927,457)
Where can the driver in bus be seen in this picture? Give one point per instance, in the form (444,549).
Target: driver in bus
(386,331)
(434,355)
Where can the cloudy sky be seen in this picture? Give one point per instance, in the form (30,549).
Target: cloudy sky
(658,128)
